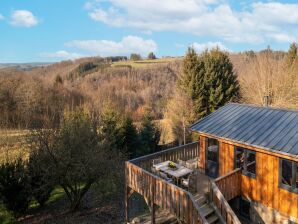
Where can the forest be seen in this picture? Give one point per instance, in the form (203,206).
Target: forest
(66,128)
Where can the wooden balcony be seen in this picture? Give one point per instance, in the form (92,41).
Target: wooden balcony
(188,207)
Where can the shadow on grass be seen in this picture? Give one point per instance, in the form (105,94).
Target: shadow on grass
(102,204)
(5,216)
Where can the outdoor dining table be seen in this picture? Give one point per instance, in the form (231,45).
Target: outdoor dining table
(178,172)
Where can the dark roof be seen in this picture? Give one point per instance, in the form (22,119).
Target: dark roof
(261,127)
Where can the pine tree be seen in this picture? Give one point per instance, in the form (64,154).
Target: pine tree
(149,135)
(151,56)
(221,81)
(129,137)
(292,55)
(192,81)
(209,80)
(110,128)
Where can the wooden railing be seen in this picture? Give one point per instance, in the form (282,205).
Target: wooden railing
(173,198)
(224,189)
(184,152)
(168,196)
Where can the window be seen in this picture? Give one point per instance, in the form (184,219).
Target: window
(288,175)
(246,159)
(239,158)
(212,150)
(251,162)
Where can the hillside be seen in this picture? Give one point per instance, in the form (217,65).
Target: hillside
(130,86)
(24,66)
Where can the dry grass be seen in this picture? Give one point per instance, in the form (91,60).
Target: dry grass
(13,144)
(144,63)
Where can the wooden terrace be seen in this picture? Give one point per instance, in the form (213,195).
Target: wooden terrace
(205,200)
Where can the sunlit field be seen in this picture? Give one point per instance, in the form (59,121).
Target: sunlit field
(144,63)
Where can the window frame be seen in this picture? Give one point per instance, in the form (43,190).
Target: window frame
(293,187)
(244,168)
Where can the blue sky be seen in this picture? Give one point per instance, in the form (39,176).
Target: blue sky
(55,30)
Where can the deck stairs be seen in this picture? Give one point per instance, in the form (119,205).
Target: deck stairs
(208,210)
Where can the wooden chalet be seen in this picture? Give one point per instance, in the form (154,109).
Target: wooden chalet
(245,171)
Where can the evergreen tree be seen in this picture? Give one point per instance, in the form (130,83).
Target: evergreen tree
(151,56)
(129,137)
(15,186)
(109,128)
(209,80)
(135,57)
(149,136)
(221,81)
(292,55)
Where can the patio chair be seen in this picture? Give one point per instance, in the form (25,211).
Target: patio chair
(192,163)
(185,182)
(164,176)
(190,182)
(181,162)
(154,171)
(156,161)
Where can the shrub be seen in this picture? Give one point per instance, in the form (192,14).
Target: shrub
(40,179)
(14,186)
(74,155)
(151,56)
(135,57)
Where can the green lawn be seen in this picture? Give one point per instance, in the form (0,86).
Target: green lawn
(7,217)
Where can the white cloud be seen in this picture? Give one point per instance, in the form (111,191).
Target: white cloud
(23,18)
(1,17)
(253,23)
(62,55)
(128,45)
(209,45)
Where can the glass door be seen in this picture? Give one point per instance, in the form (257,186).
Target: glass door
(212,157)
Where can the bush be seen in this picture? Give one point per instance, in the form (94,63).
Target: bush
(151,56)
(14,186)
(135,57)
(40,179)
(74,157)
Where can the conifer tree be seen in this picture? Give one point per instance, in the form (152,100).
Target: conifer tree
(129,137)
(291,55)
(221,81)
(149,135)
(109,127)
(192,81)
(209,80)
(151,56)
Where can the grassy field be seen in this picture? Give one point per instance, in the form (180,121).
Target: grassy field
(13,144)
(143,63)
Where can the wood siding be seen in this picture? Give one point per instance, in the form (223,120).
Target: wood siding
(202,152)
(264,188)
(226,158)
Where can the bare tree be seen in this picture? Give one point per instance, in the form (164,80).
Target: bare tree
(180,114)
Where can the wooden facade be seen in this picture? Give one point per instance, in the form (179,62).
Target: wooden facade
(264,188)
(231,183)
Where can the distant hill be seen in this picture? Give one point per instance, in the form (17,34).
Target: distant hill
(24,66)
